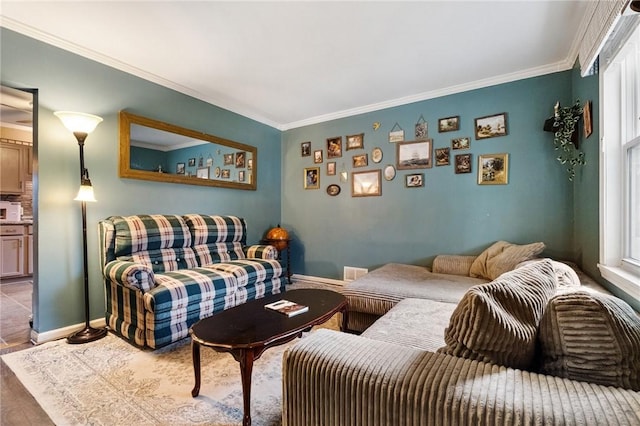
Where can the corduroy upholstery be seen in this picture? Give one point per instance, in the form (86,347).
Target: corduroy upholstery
(165,272)
(339,379)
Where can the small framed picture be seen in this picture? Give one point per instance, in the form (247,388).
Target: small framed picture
(389,172)
(226,173)
(493,169)
(463,163)
(449,124)
(414,155)
(587,118)
(200,161)
(250,164)
(442,157)
(491,126)
(396,134)
(317,156)
(333,190)
(360,160)
(366,184)
(180,168)
(228,159)
(305,149)
(240,159)
(461,143)
(376,155)
(241,176)
(355,141)
(209,161)
(216,172)
(312,178)
(331,168)
(203,172)
(334,147)
(414,180)
(192,162)
(422,131)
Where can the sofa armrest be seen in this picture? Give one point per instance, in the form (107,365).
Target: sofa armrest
(343,379)
(452,264)
(261,251)
(128,274)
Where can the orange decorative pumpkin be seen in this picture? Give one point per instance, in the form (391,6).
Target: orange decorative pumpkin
(278,237)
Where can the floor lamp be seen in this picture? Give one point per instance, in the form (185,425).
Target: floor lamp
(81,125)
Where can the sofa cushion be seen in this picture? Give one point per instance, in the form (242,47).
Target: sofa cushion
(249,270)
(498,322)
(149,232)
(207,229)
(502,257)
(594,337)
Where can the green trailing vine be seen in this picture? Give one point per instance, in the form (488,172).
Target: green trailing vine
(566,137)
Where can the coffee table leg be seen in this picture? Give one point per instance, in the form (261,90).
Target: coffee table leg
(345,319)
(195,352)
(246,367)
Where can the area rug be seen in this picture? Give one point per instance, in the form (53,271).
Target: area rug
(111,382)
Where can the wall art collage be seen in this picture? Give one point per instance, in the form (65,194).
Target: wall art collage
(412,155)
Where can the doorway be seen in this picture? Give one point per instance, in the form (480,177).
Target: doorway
(18,187)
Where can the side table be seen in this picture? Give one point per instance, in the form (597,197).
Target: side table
(281,246)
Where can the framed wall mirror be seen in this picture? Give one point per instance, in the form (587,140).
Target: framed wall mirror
(158,151)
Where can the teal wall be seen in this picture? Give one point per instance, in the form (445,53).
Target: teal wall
(69,82)
(452,213)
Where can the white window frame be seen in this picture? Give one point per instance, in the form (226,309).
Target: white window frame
(620,128)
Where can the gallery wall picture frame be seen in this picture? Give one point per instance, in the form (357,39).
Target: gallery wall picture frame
(241,176)
(491,126)
(422,129)
(414,180)
(305,149)
(311,178)
(389,172)
(449,124)
(227,159)
(442,157)
(180,168)
(334,147)
(587,119)
(331,168)
(366,184)
(250,164)
(241,159)
(317,156)
(226,174)
(414,155)
(376,155)
(461,143)
(202,172)
(463,163)
(192,162)
(209,161)
(355,141)
(493,169)
(216,172)
(360,160)
(396,134)
(333,190)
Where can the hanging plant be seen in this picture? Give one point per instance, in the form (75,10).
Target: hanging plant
(565,136)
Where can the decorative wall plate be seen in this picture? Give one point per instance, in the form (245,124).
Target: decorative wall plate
(376,155)
(389,172)
(333,190)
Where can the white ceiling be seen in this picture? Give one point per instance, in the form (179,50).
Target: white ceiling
(289,64)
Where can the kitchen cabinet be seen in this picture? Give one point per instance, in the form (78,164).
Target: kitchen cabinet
(11,168)
(11,250)
(28,250)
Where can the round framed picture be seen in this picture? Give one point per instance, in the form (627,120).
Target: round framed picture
(217,172)
(376,155)
(389,172)
(333,190)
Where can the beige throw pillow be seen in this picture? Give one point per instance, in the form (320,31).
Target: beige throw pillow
(591,337)
(502,257)
(498,322)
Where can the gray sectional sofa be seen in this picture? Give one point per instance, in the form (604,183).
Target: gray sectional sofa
(163,273)
(532,345)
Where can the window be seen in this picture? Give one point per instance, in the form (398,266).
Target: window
(620,163)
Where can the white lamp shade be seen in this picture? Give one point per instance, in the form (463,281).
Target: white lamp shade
(85,193)
(78,121)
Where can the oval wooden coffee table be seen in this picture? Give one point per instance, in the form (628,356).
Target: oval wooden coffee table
(247,330)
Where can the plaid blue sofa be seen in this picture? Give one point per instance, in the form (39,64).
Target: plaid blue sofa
(163,273)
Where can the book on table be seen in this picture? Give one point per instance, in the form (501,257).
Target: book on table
(286,307)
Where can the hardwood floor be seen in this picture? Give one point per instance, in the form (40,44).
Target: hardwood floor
(17,406)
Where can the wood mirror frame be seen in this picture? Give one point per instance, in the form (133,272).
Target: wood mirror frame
(147,133)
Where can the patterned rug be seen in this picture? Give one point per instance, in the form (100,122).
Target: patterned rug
(111,382)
